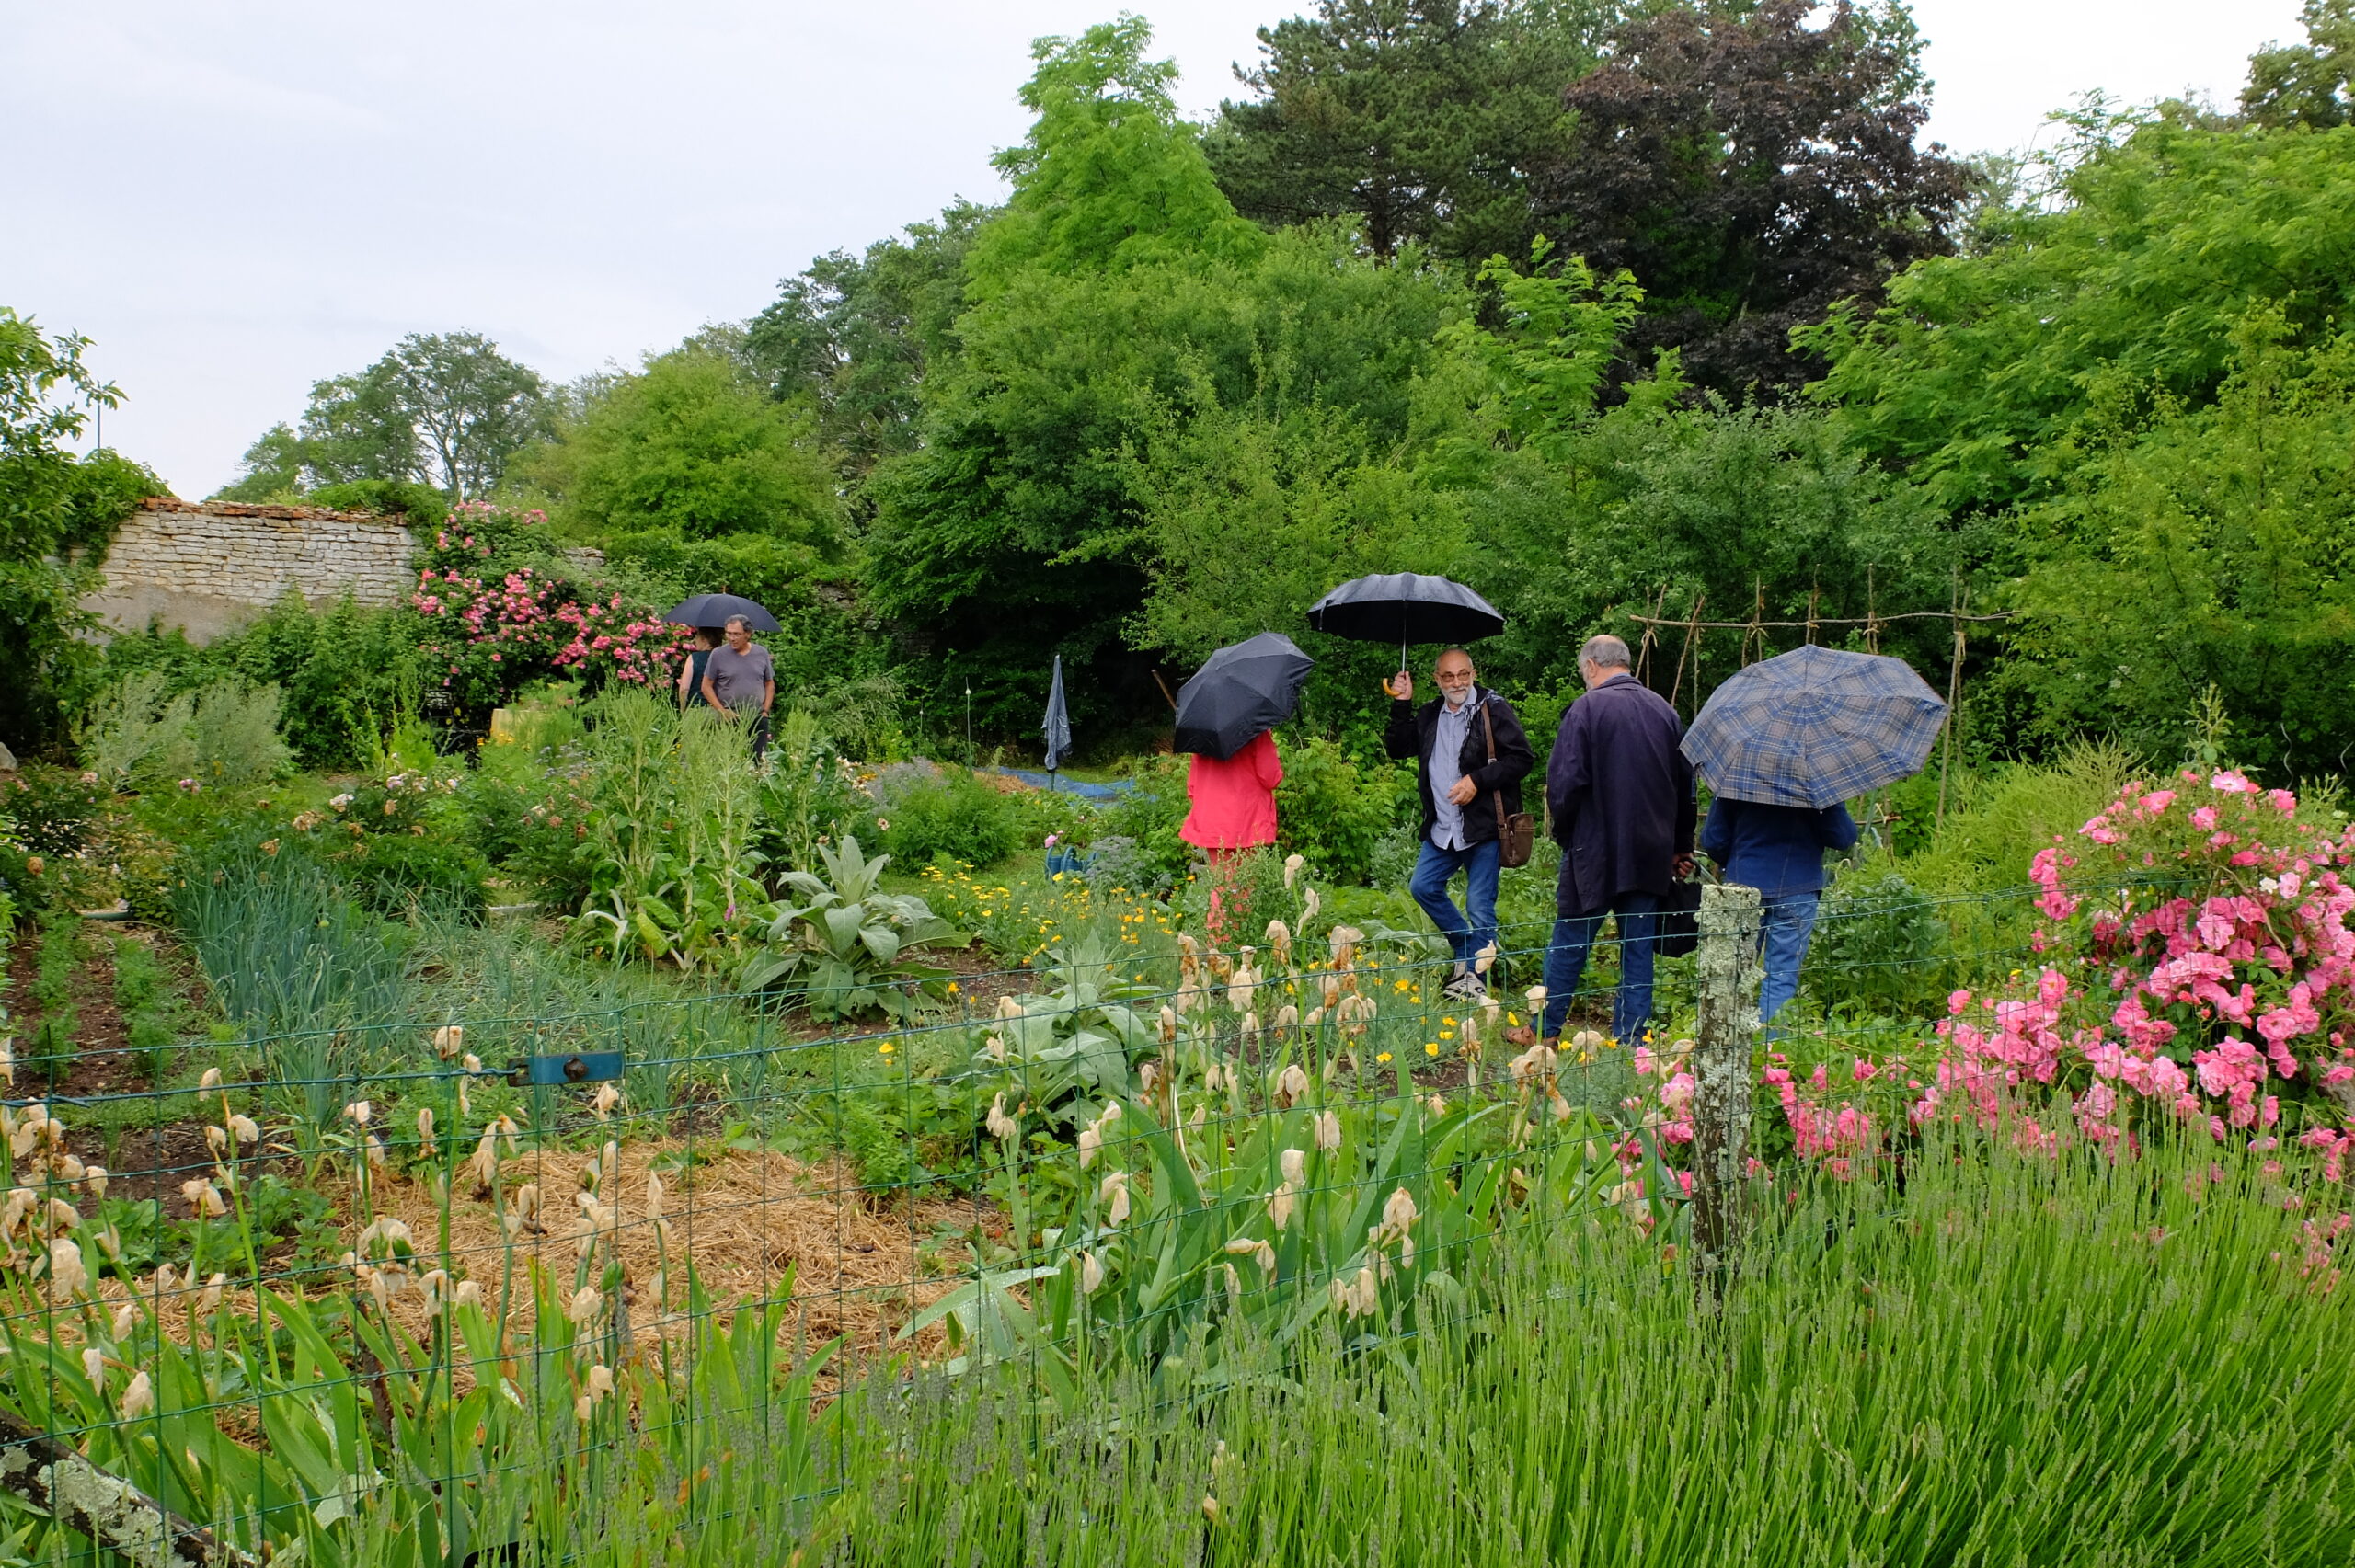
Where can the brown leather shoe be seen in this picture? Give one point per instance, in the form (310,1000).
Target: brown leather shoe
(1523,1036)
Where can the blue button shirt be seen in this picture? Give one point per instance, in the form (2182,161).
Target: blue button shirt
(1446,768)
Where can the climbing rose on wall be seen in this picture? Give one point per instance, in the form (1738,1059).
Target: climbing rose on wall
(490,633)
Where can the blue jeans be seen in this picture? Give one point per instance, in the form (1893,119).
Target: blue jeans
(1787,922)
(1469,929)
(1574,938)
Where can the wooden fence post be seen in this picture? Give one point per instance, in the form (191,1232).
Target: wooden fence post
(49,1474)
(1727,971)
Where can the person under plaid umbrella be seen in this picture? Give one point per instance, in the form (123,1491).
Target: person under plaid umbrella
(1783,744)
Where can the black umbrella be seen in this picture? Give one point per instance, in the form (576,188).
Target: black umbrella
(714,609)
(1406,607)
(1240,690)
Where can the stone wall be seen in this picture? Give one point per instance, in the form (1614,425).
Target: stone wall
(210,567)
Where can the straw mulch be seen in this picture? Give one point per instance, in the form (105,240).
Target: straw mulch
(861,1264)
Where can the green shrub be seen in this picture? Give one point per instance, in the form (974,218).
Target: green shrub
(50,819)
(951,814)
(1334,810)
(388,872)
(1148,817)
(1072,821)
(1878,943)
(225,732)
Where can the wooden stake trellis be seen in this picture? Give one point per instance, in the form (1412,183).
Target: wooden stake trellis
(1754,644)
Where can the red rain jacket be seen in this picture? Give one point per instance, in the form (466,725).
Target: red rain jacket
(1234,801)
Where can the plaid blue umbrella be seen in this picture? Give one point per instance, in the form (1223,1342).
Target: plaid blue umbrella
(1815,727)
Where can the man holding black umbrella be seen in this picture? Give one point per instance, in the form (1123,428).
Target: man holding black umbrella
(1470,757)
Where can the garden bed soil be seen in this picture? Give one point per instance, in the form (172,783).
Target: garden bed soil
(752,1222)
(102,1064)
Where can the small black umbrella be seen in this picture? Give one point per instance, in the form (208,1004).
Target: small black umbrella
(1406,607)
(1057,729)
(1240,690)
(714,609)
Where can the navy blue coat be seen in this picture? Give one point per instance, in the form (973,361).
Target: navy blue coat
(1618,795)
(1775,848)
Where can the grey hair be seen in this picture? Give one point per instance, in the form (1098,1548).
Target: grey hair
(746,622)
(1606,652)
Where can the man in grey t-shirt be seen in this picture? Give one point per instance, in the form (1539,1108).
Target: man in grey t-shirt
(739,680)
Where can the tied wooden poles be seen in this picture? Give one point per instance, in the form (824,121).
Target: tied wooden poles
(1954,691)
(1727,973)
(49,1474)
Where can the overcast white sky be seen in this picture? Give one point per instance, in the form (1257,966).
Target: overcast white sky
(236,198)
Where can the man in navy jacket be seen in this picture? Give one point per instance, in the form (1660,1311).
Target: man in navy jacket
(1780,851)
(1619,797)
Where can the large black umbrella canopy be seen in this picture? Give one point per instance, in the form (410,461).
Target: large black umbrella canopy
(714,609)
(1241,690)
(1406,607)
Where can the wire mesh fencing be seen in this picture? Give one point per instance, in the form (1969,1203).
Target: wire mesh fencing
(424,1279)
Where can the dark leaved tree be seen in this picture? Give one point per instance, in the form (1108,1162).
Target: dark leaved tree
(1750,169)
(1419,120)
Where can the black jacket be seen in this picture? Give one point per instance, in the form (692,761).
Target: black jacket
(1409,734)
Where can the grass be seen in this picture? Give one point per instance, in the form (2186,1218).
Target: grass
(2007,1359)
(2008,1362)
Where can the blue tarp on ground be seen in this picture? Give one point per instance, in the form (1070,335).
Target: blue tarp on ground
(1065,784)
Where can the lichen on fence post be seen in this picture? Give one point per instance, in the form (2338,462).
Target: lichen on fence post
(1727,972)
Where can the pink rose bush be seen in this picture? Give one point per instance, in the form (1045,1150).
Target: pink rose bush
(492,632)
(2197,967)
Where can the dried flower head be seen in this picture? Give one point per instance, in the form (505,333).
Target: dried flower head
(68,1276)
(1292,1085)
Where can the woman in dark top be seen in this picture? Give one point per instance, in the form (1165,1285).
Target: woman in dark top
(690,672)
(1780,851)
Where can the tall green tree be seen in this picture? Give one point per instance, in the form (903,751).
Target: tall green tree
(692,444)
(447,409)
(2311,83)
(2157,239)
(1420,121)
(1117,280)
(58,514)
(2185,550)
(1108,177)
(471,408)
(856,333)
(1751,167)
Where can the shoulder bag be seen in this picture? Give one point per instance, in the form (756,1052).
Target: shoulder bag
(1517,833)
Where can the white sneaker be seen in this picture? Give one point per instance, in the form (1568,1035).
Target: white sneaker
(1466,986)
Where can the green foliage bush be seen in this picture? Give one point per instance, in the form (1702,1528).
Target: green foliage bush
(1879,944)
(1334,809)
(1072,821)
(952,815)
(225,732)
(1147,818)
(387,872)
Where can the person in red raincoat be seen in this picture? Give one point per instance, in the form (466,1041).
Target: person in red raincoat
(1234,808)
